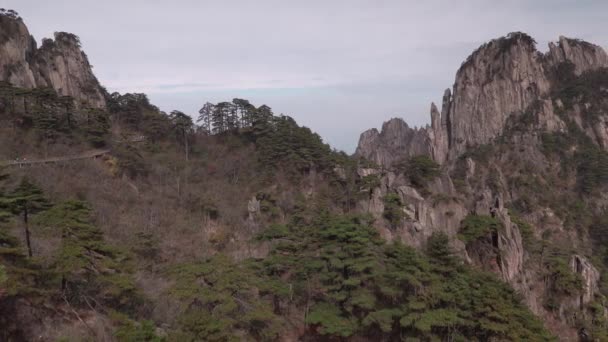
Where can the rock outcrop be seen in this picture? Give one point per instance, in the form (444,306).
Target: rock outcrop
(59,64)
(503,79)
(589,275)
(583,55)
(253,208)
(396,141)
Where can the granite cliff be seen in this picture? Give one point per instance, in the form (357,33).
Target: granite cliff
(502,79)
(58,63)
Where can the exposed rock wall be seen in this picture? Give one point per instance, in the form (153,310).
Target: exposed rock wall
(503,78)
(59,63)
(500,79)
(396,141)
(590,276)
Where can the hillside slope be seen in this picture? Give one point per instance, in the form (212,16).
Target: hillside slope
(248,227)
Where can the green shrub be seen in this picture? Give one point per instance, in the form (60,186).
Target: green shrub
(130,331)
(419,170)
(130,161)
(531,243)
(561,278)
(393,210)
(369,182)
(584,88)
(474,227)
(3,276)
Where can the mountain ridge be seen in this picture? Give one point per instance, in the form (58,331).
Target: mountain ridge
(469,118)
(250,227)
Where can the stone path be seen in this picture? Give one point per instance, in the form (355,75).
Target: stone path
(86,155)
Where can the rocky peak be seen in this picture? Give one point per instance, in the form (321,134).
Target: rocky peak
(59,63)
(394,142)
(585,56)
(501,79)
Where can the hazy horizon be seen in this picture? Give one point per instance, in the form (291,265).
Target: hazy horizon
(339,68)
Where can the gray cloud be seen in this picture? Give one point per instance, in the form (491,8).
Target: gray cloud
(339,66)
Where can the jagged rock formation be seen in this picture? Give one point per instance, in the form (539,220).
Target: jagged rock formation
(492,136)
(253,208)
(590,276)
(59,63)
(396,138)
(500,80)
(585,56)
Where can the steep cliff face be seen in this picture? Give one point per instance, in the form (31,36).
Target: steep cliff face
(505,78)
(59,63)
(17,49)
(500,79)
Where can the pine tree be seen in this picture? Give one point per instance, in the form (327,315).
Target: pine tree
(206,112)
(155,125)
(67,102)
(438,249)
(218,118)
(97,127)
(233,122)
(18,274)
(182,125)
(245,111)
(225,118)
(47,124)
(261,120)
(222,298)
(88,266)
(3,278)
(26,200)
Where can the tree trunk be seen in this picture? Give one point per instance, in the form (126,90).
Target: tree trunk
(27,232)
(186,145)
(64,281)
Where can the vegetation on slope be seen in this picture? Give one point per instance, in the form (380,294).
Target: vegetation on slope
(350,283)
(327,275)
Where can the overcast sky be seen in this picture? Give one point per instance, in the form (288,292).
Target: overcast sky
(338,67)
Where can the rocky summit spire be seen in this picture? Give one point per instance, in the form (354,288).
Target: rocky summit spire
(501,79)
(585,56)
(396,140)
(59,63)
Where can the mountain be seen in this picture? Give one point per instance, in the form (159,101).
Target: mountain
(58,64)
(120,222)
(521,140)
(500,80)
